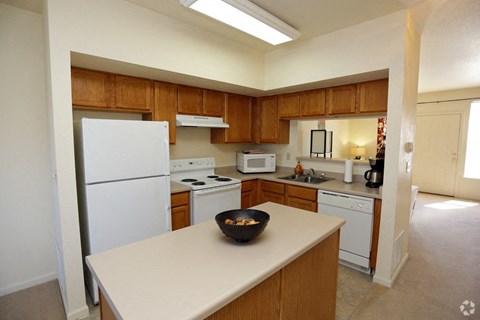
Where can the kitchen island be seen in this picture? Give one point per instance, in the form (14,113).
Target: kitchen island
(288,272)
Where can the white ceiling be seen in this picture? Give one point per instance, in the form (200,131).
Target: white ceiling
(450,47)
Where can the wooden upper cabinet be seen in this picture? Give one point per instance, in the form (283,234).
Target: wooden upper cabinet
(289,105)
(190,100)
(92,89)
(312,103)
(165,107)
(341,100)
(270,129)
(133,93)
(238,114)
(373,96)
(213,103)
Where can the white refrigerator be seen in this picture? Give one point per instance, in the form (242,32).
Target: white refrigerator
(123,184)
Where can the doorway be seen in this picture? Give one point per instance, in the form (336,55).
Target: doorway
(435,161)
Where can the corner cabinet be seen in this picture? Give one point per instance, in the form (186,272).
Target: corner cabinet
(165,106)
(268,127)
(238,114)
(180,210)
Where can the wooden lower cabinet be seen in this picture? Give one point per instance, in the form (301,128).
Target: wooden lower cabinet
(249,193)
(180,210)
(271,191)
(306,288)
(302,198)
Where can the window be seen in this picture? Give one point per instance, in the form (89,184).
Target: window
(472,159)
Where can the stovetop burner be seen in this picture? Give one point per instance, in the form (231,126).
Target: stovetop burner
(212,177)
(223,179)
(189,180)
(198,183)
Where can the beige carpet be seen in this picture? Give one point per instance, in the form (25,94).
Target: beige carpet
(443,270)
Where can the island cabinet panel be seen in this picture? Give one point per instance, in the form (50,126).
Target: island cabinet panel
(133,94)
(238,114)
(249,193)
(377,211)
(165,107)
(373,96)
(190,100)
(304,289)
(341,100)
(92,89)
(213,103)
(270,129)
(272,191)
(312,103)
(302,198)
(180,210)
(289,105)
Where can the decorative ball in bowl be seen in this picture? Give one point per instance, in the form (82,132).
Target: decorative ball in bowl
(242,225)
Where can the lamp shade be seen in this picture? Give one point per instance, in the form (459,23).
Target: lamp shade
(357,152)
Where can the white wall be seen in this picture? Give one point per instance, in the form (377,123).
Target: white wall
(27,242)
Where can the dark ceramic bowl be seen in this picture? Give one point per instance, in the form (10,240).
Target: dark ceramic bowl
(242,233)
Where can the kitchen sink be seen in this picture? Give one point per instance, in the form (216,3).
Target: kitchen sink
(306,178)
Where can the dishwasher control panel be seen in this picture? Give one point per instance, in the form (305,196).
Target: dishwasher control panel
(346,201)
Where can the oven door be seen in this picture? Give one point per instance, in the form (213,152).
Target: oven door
(207,203)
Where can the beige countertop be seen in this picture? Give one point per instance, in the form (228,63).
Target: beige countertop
(358,187)
(192,272)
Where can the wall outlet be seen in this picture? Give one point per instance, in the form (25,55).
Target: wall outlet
(287,156)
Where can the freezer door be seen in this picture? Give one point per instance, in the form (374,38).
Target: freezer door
(123,149)
(122,212)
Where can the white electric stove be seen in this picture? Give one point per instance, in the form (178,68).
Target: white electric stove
(211,193)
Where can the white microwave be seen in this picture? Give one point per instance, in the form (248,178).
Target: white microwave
(255,162)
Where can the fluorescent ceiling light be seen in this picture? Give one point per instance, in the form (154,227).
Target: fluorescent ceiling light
(245,16)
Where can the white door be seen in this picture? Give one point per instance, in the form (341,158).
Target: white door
(124,149)
(436,153)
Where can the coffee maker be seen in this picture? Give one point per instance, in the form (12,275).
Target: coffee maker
(374,176)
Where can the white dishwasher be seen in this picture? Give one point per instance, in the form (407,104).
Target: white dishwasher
(356,234)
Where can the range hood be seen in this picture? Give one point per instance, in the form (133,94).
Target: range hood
(200,121)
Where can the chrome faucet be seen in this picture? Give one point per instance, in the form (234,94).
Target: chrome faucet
(313,171)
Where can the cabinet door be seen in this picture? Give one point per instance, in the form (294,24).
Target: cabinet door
(180,210)
(133,94)
(341,100)
(312,103)
(249,193)
(165,96)
(301,197)
(238,114)
(213,103)
(272,191)
(268,119)
(190,100)
(289,105)
(271,129)
(373,96)
(92,89)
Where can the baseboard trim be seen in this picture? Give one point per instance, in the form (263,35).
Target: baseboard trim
(27,284)
(79,313)
(389,282)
